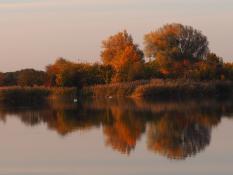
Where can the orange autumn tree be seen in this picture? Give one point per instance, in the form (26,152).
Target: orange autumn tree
(124,56)
(176,48)
(64,73)
(54,71)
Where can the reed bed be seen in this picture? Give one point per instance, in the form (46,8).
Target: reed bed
(170,89)
(67,93)
(114,90)
(162,89)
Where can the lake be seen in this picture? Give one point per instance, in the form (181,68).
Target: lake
(116,137)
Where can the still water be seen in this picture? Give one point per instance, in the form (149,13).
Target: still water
(116,137)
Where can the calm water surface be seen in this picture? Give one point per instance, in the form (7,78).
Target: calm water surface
(117,137)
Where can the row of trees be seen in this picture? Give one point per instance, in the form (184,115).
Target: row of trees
(25,77)
(174,51)
(62,73)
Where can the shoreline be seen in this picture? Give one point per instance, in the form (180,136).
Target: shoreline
(155,89)
(163,89)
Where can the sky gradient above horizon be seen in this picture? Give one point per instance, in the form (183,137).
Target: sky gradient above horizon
(35,32)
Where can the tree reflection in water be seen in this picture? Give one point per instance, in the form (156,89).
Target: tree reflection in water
(178,139)
(176,130)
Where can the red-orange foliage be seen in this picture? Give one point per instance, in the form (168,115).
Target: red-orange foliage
(124,56)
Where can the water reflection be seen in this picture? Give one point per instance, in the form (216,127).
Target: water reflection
(176,130)
(179,138)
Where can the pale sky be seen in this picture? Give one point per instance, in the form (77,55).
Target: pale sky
(34,33)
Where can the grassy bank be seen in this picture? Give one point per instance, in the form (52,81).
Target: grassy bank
(150,89)
(167,89)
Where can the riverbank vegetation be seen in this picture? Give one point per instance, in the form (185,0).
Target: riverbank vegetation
(163,89)
(177,55)
(23,95)
(17,95)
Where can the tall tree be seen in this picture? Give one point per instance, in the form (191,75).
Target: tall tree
(124,56)
(175,46)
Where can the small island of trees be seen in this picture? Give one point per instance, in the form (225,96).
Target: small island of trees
(173,55)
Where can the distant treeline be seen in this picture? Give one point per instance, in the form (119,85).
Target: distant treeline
(25,77)
(174,51)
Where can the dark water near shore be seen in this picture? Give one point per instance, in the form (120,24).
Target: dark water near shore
(116,137)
